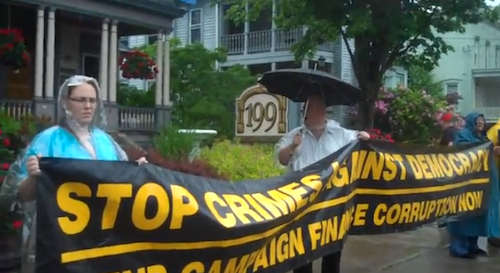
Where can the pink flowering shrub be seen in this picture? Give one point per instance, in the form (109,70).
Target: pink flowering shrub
(413,116)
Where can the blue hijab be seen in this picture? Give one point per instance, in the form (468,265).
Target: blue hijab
(469,133)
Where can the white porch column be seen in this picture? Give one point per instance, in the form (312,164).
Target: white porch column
(159,65)
(103,67)
(246,30)
(273,28)
(40,37)
(113,62)
(50,55)
(166,71)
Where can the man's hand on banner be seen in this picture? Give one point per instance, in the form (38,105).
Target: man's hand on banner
(496,150)
(363,135)
(141,160)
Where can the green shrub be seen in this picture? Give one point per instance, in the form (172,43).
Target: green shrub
(242,162)
(130,96)
(174,145)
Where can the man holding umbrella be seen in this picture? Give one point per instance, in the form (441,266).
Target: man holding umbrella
(317,137)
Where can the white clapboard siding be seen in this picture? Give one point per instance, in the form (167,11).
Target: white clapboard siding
(208,26)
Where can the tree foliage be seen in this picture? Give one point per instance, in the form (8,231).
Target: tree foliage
(130,96)
(376,33)
(203,97)
(420,78)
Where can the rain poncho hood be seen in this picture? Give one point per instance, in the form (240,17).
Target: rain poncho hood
(492,133)
(469,134)
(488,224)
(58,141)
(493,136)
(63,115)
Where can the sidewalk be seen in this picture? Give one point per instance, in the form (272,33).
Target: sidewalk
(422,250)
(438,261)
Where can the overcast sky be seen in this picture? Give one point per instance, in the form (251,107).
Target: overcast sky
(495,2)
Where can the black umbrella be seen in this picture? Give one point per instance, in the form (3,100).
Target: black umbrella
(299,84)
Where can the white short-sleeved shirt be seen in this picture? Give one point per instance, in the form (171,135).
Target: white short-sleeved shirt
(312,149)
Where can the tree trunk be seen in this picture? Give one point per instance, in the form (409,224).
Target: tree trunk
(366,114)
(366,107)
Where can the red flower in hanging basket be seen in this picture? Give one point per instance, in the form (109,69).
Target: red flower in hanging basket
(6,142)
(17,224)
(137,65)
(5,166)
(12,49)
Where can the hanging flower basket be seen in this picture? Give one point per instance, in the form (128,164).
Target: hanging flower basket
(12,49)
(138,65)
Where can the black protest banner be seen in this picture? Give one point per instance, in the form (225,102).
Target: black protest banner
(107,217)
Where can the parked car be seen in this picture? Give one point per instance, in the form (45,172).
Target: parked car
(11,233)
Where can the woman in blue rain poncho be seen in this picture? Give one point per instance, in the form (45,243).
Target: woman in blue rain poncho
(78,135)
(465,233)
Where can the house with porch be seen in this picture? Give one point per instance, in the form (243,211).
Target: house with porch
(473,69)
(67,37)
(261,46)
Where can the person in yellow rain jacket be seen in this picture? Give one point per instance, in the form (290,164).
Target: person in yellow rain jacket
(493,136)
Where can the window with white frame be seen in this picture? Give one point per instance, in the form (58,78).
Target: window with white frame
(195,26)
(395,76)
(451,88)
(152,39)
(400,79)
(150,84)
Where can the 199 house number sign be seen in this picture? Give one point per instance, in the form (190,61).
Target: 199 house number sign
(260,113)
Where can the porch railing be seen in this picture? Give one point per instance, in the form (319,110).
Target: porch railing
(129,118)
(265,41)
(490,113)
(136,119)
(16,108)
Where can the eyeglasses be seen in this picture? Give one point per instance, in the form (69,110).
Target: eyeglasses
(83,100)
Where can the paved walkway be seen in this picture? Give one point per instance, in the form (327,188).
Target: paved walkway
(438,261)
(423,250)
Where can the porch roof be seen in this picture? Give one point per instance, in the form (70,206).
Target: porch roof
(156,14)
(162,7)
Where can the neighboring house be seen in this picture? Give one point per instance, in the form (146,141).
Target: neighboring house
(67,37)
(259,45)
(473,69)
(262,47)
(396,76)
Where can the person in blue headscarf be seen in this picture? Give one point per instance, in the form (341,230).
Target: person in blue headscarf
(464,233)
(79,135)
